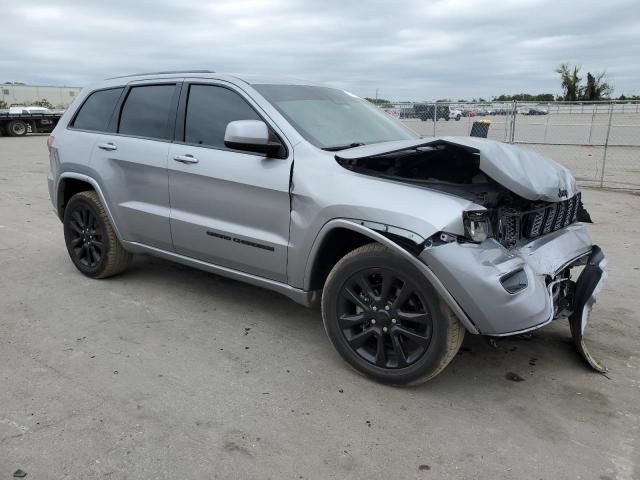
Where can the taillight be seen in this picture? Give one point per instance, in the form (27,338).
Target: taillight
(50,142)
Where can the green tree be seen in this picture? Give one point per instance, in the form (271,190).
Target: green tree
(381,102)
(597,87)
(526,97)
(570,81)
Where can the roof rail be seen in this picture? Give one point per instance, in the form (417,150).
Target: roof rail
(161,73)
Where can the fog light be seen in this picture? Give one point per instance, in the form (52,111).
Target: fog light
(477,226)
(515,281)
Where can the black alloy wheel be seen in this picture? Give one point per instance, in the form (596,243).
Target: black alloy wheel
(91,240)
(86,236)
(386,320)
(383,318)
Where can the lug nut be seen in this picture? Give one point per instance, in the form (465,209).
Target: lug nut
(374,308)
(386,307)
(373,321)
(384,329)
(393,320)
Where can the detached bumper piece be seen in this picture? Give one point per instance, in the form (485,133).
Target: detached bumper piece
(588,287)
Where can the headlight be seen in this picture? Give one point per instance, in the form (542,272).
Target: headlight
(477,225)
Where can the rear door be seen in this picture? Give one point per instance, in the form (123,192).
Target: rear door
(228,207)
(131,162)
(89,122)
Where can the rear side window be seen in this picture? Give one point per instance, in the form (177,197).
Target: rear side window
(209,110)
(146,111)
(97,109)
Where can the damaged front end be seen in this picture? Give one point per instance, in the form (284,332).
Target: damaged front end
(513,266)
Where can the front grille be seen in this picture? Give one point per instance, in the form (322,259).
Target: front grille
(514,225)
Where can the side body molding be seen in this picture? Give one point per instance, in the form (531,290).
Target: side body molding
(360,226)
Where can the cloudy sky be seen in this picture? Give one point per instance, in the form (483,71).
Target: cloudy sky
(413,50)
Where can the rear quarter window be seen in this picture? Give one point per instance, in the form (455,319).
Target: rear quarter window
(95,112)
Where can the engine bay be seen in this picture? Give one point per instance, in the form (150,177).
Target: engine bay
(455,169)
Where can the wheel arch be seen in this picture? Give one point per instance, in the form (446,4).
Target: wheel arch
(398,240)
(70,183)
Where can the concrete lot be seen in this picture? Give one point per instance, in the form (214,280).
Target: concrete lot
(167,372)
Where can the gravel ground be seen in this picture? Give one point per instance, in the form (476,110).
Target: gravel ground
(167,372)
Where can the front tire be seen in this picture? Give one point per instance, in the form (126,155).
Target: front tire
(386,320)
(91,241)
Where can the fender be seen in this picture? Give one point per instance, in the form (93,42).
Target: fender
(96,187)
(361,226)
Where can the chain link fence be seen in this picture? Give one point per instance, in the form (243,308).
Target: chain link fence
(598,141)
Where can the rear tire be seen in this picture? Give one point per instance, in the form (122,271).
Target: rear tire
(386,320)
(17,128)
(91,241)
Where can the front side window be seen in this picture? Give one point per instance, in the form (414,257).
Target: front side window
(146,111)
(209,110)
(331,118)
(96,111)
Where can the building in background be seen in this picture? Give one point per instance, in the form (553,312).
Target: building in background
(58,97)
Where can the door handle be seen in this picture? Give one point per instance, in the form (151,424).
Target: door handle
(107,146)
(188,158)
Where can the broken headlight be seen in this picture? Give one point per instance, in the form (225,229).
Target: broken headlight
(477,225)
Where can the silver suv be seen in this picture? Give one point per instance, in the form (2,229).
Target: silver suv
(405,242)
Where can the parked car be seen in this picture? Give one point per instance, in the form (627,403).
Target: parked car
(455,113)
(407,112)
(501,111)
(425,111)
(535,111)
(406,243)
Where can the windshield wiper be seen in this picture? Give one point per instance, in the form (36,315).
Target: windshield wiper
(342,147)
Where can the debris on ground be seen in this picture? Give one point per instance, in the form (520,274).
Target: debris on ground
(424,467)
(514,377)
(19,474)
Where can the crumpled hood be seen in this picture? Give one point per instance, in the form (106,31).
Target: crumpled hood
(525,172)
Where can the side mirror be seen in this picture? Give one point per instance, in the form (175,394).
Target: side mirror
(250,136)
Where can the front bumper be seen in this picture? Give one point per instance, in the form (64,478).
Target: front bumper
(588,287)
(471,273)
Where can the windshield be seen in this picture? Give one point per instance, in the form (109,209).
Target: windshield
(333,119)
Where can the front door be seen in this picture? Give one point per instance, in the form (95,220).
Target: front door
(228,207)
